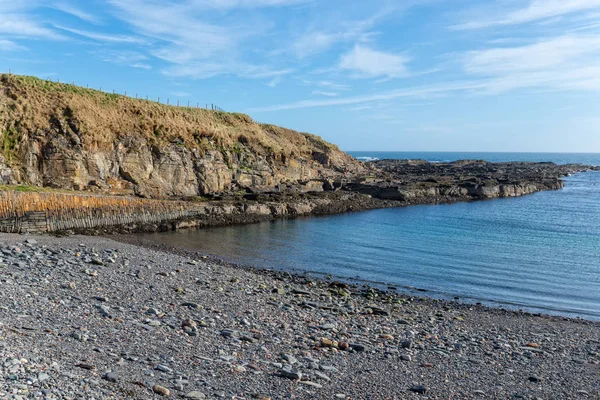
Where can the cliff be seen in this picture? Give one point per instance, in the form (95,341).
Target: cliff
(68,137)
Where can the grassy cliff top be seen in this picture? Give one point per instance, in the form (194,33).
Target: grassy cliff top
(30,106)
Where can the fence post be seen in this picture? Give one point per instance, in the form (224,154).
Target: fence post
(126,93)
(159,99)
(168,101)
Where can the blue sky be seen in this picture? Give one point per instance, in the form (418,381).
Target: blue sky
(437,75)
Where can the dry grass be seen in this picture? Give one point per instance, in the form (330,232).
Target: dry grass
(13,203)
(31,106)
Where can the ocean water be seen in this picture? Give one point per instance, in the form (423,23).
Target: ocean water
(558,158)
(539,252)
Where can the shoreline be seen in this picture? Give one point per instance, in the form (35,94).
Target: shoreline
(298,275)
(106,319)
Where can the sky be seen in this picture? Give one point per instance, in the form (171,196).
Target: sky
(403,75)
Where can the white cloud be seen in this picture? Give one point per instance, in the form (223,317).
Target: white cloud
(248,3)
(7,45)
(544,54)
(323,93)
(420,92)
(77,12)
(103,37)
(129,58)
(369,63)
(315,41)
(24,26)
(566,62)
(536,10)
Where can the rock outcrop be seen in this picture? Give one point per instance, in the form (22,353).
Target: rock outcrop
(68,137)
(418,181)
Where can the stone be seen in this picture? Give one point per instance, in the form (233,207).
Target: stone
(164,368)
(194,395)
(289,358)
(290,373)
(358,347)
(110,377)
(418,389)
(42,376)
(191,305)
(104,311)
(312,384)
(534,379)
(161,390)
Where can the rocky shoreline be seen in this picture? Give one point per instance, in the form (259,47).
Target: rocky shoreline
(93,318)
(390,183)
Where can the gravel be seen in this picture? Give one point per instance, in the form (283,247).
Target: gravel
(93,318)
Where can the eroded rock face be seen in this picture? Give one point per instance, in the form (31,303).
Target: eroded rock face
(69,137)
(133,165)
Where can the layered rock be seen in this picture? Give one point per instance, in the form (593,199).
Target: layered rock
(68,137)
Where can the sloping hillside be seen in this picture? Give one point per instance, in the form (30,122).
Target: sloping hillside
(64,136)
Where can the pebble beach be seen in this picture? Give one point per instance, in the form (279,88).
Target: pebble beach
(95,318)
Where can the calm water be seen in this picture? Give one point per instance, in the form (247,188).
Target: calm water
(559,158)
(539,252)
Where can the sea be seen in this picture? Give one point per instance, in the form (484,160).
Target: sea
(539,253)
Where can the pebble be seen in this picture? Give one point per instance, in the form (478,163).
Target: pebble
(195,395)
(419,389)
(110,377)
(161,390)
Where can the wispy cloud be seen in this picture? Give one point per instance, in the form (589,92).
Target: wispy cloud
(419,92)
(327,94)
(7,45)
(535,10)
(328,85)
(225,4)
(194,47)
(368,63)
(103,37)
(565,62)
(318,40)
(123,57)
(77,12)
(25,26)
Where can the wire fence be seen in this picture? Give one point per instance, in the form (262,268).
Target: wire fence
(177,103)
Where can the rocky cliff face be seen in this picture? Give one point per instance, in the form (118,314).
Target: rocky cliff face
(68,137)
